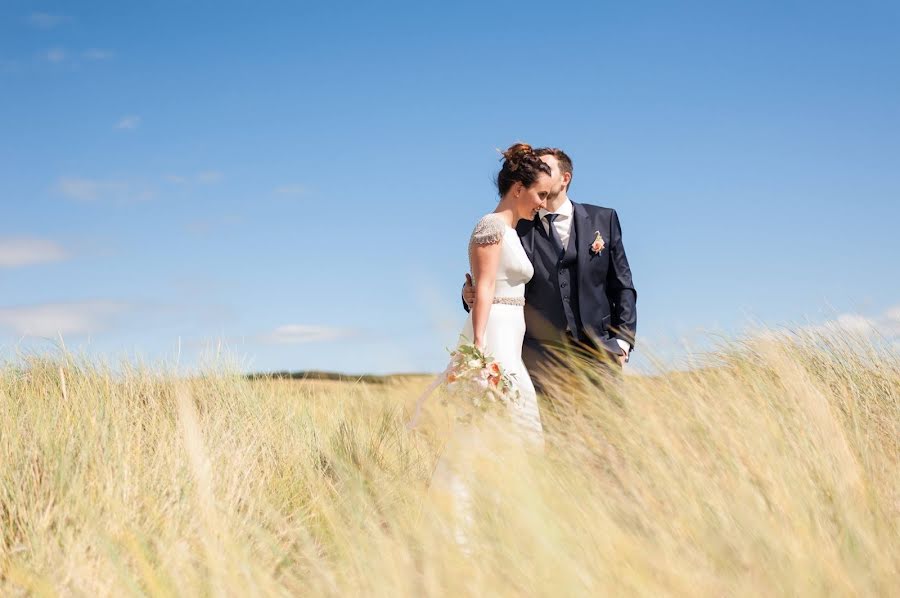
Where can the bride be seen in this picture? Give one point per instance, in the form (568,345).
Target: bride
(501,269)
(496,324)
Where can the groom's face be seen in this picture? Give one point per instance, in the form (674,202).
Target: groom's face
(557,180)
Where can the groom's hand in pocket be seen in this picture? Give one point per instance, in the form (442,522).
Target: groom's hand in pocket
(468,291)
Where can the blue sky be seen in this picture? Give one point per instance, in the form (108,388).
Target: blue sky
(298,180)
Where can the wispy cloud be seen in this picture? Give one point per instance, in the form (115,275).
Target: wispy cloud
(291,190)
(92,190)
(54,55)
(59,55)
(885,325)
(893,314)
(86,189)
(890,323)
(51,319)
(206,177)
(16,253)
(43,20)
(213,223)
(850,324)
(129,122)
(291,334)
(97,54)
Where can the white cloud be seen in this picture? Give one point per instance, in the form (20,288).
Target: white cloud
(43,20)
(851,324)
(885,325)
(301,333)
(209,177)
(97,54)
(890,324)
(54,55)
(129,122)
(893,314)
(211,224)
(85,189)
(91,190)
(206,177)
(51,319)
(290,190)
(15,253)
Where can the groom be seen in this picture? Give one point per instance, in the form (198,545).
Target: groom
(581,293)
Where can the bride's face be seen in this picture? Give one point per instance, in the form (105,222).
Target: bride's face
(531,199)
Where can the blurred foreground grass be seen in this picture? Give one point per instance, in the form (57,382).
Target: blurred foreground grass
(773,471)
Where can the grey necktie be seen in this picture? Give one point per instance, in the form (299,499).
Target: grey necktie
(554,238)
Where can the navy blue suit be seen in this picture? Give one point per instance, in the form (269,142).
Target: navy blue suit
(577,295)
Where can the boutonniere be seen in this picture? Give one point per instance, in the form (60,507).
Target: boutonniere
(598,244)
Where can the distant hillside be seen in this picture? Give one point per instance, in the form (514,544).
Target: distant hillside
(335,376)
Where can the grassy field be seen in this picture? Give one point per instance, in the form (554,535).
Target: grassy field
(774,470)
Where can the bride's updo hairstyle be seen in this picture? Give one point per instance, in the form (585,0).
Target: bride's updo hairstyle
(520,165)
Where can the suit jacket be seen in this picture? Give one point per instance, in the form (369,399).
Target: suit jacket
(607,298)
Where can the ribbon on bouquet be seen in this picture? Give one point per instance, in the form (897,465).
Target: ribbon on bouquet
(440,379)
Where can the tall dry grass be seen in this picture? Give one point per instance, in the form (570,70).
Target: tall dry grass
(771,471)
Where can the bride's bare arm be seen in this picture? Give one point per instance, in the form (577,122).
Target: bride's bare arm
(485,260)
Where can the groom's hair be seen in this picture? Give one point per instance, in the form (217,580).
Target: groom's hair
(565,162)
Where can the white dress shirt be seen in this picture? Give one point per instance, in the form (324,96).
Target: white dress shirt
(563,226)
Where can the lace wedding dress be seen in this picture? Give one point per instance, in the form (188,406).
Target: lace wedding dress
(503,340)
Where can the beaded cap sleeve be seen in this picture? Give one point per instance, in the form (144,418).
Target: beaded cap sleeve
(489,230)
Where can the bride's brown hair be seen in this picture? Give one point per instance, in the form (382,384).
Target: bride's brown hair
(520,165)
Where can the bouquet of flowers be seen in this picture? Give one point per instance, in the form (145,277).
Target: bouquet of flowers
(478,379)
(474,378)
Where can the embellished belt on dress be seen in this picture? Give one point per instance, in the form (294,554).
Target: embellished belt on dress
(520,301)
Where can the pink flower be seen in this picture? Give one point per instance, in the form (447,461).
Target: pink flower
(598,244)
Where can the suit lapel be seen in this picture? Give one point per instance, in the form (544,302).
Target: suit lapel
(582,225)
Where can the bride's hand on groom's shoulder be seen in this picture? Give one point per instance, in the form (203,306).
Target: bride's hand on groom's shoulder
(468,291)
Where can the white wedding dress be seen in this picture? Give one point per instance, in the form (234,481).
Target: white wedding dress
(502,339)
